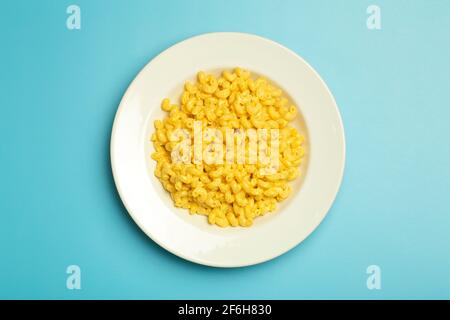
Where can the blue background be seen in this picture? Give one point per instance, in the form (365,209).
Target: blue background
(60,90)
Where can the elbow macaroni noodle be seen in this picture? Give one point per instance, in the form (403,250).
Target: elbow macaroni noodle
(230,188)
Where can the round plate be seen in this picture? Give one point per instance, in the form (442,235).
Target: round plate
(190,236)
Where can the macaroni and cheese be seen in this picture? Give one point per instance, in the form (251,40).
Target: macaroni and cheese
(230,189)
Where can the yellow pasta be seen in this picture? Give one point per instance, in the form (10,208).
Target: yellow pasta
(230,193)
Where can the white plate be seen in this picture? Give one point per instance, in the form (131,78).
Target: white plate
(190,236)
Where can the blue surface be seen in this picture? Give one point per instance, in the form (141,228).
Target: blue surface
(61,89)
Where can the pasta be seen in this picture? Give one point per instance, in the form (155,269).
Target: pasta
(237,170)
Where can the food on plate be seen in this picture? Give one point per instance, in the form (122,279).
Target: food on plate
(227,149)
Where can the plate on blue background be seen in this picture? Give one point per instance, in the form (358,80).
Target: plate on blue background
(190,237)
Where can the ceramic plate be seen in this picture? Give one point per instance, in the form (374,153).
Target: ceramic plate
(190,236)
